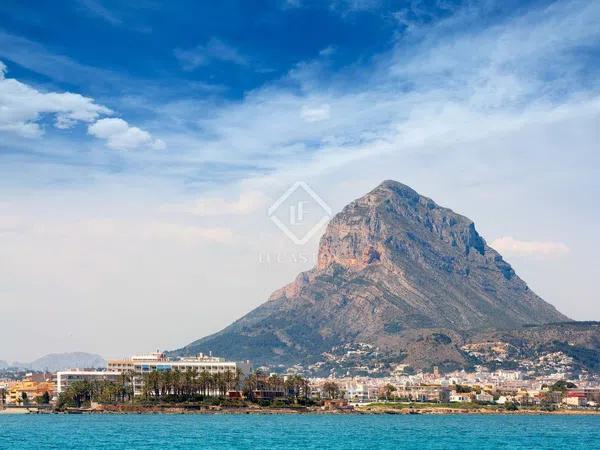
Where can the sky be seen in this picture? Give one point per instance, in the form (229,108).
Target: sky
(165,166)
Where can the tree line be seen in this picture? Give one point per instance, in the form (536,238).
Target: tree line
(293,387)
(82,392)
(187,385)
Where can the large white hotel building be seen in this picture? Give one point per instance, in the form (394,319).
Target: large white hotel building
(138,365)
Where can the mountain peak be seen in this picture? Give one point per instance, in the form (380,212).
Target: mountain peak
(390,263)
(395,186)
(393,212)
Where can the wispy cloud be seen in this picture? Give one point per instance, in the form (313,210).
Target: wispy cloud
(448,81)
(339,6)
(452,80)
(248,202)
(142,230)
(114,229)
(121,14)
(291,3)
(315,113)
(96,8)
(214,50)
(35,57)
(355,5)
(513,247)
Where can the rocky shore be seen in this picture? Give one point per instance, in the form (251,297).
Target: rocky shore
(359,410)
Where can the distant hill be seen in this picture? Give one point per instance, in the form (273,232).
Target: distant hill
(3,364)
(396,271)
(61,361)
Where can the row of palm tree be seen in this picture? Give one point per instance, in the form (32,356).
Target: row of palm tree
(294,387)
(185,384)
(82,392)
(189,382)
(331,390)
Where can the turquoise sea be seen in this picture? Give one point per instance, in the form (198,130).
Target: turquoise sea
(298,432)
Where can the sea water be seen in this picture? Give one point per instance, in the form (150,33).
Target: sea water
(299,431)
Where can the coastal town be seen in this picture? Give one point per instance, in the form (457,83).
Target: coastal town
(205,383)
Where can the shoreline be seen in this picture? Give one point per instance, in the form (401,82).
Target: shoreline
(362,410)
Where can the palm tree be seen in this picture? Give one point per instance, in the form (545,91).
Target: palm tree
(195,387)
(305,388)
(388,389)
(146,385)
(331,389)
(154,382)
(275,383)
(218,383)
(188,381)
(237,377)
(166,382)
(295,386)
(176,381)
(228,380)
(251,384)
(125,384)
(291,386)
(204,380)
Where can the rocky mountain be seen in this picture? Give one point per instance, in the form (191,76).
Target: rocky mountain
(395,271)
(61,361)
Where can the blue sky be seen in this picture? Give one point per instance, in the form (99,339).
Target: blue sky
(175,68)
(255,41)
(141,144)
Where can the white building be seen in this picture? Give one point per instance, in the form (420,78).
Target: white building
(484,397)
(66,377)
(502,400)
(459,398)
(509,375)
(356,392)
(138,365)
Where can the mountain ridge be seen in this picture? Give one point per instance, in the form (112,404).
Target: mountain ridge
(62,361)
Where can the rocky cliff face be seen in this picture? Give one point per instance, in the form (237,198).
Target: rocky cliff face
(390,264)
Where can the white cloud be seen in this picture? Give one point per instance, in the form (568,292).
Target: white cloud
(22,107)
(214,50)
(120,135)
(510,246)
(247,203)
(327,51)
(315,113)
